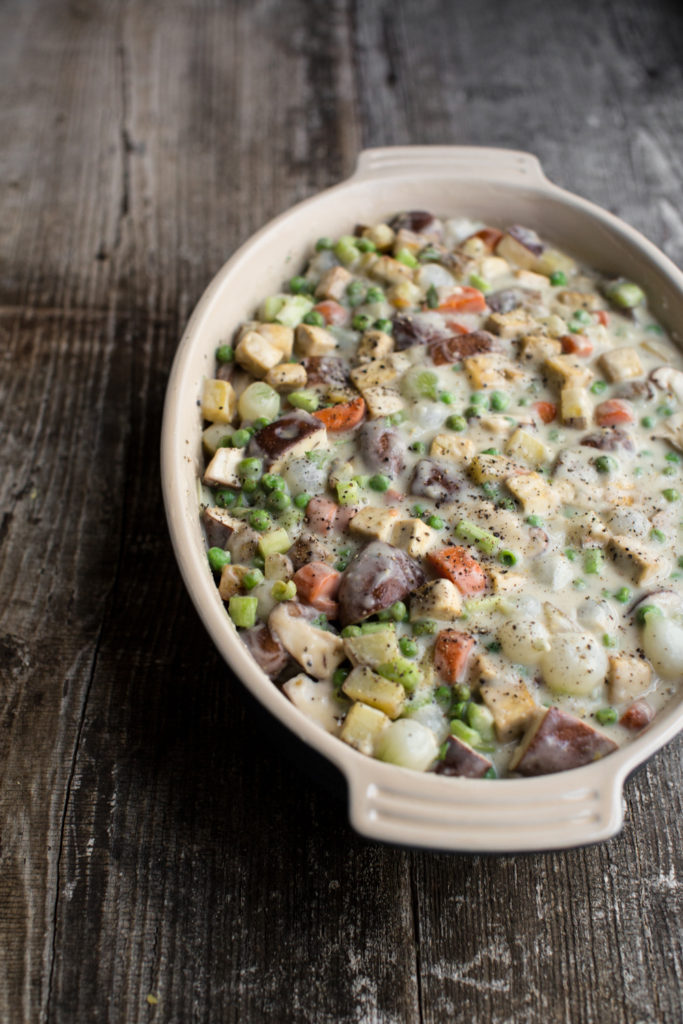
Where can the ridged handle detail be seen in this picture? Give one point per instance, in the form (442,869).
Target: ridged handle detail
(482,162)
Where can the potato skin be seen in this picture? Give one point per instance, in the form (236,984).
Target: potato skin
(379,575)
(560,742)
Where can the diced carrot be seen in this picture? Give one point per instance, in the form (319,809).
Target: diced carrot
(321,514)
(452,325)
(490,236)
(451,652)
(457,565)
(602,317)
(577,344)
(334,314)
(613,412)
(392,497)
(317,584)
(546,411)
(464,299)
(637,716)
(344,416)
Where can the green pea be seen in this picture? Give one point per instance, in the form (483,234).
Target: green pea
(225,498)
(355,293)
(647,422)
(225,354)
(479,398)
(456,423)
(366,245)
(598,387)
(672,457)
(606,464)
(558,277)
(508,557)
(250,469)
(398,611)
(252,579)
(278,501)
(348,631)
(379,482)
(218,558)
(606,716)
(384,325)
(374,295)
(259,520)
(424,627)
(407,647)
(432,297)
(301,500)
(300,285)
(499,401)
(361,322)
(338,677)
(658,535)
(447,397)
(623,595)
(671,494)
(490,451)
(534,520)
(324,243)
(418,446)
(260,423)
(314,318)
(462,691)
(240,439)
(283,590)
(436,522)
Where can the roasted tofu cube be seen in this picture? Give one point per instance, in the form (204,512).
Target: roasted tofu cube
(451,446)
(576,407)
(486,370)
(556,741)
(438,599)
(382,401)
(512,325)
(219,403)
(536,496)
(363,726)
(372,649)
(286,377)
(414,537)
(527,448)
(492,468)
(374,345)
(279,335)
(504,582)
(289,437)
(569,371)
(375,523)
(536,348)
(628,677)
(579,300)
(381,234)
(367,686)
(511,705)
(376,372)
(621,364)
(492,267)
(334,283)
(222,470)
(635,560)
(391,271)
(313,341)
(256,354)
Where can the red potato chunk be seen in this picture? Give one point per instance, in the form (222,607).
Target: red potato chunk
(637,716)
(266,649)
(459,346)
(556,741)
(460,759)
(378,576)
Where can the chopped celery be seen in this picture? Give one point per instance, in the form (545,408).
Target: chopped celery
(242,611)
(475,605)
(348,492)
(624,293)
(406,257)
(288,310)
(307,400)
(346,250)
(283,590)
(481,720)
(274,542)
(465,733)
(484,539)
(401,671)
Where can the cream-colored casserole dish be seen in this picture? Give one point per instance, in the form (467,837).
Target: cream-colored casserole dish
(386,802)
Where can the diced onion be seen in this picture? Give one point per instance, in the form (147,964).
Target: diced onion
(258,400)
(663,644)
(576,664)
(409,744)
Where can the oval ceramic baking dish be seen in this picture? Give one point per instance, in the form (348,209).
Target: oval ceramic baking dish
(388,803)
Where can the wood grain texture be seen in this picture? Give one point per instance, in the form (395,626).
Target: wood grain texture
(156,838)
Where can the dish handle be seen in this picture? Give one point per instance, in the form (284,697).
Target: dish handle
(469,815)
(479,162)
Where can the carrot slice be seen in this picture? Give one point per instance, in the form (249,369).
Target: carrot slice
(344,416)
(602,317)
(317,584)
(613,412)
(546,411)
(334,314)
(577,344)
(457,565)
(464,299)
(451,652)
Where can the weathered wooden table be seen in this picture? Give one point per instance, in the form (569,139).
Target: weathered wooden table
(161,858)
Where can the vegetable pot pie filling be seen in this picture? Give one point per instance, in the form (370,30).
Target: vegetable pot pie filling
(442,498)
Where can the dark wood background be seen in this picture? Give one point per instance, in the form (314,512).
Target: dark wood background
(162,858)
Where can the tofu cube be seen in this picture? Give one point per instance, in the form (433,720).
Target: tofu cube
(256,354)
(414,537)
(374,345)
(621,364)
(219,403)
(536,496)
(504,582)
(287,377)
(363,726)
(404,294)
(391,271)
(439,599)
(492,468)
(486,370)
(313,341)
(382,401)
(512,325)
(381,234)
(523,445)
(376,372)
(536,348)
(569,371)
(333,284)
(627,678)
(222,470)
(635,560)
(511,705)
(384,694)
(451,446)
(280,336)
(576,407)
(374,523)
(579,300)
(492,267)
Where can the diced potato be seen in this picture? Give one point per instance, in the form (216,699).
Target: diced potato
(384,694)
(256,354)
(516,253)
(523,445)
(451,446)
(536,348)
(378,371)
(492,468)
(287,377)
(363,726)
(314,341)
(579,300)
(569,370)
(374,345)
(219,403)
(375,523)
(627,678)
(511,325)
(222,470)
(439,599)
(496,423)
(391,271)
(511,705)
(552,260)
(278,567)
(316,699)
(382,401)
(635,560)
(576,407)
(404,294)
(621,364)
(280,336)
(486,370)
(381,234)
(372,649)
(530,279)
(492,267)
(504,582)
(231,580)
(334,283)
(414,537)
(536,496)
